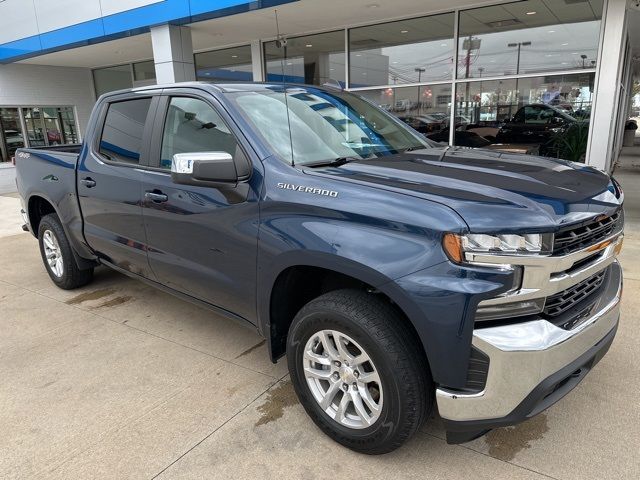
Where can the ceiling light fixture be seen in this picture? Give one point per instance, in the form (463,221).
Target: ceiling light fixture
(308,45)
(404,31)
(531,13)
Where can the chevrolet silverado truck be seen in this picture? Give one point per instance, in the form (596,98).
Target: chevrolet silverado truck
(395,275)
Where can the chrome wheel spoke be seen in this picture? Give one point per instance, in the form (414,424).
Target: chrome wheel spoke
(368,377)
(342,409)
(365,394)
(316,358)
(359,407)
(330,395)
(327,344)
(342,349)
(317,373)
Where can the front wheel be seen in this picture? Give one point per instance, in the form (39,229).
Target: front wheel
(358,371)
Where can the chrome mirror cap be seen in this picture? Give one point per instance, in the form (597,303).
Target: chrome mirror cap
(183,162)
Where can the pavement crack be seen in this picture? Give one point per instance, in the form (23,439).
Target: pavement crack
(214,431)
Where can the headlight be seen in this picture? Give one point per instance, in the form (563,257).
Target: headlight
(502,244)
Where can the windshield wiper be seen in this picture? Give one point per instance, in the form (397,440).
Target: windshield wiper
(336,162)
(411,149)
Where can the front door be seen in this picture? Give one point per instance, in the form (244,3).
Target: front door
(202,241)
(110,184)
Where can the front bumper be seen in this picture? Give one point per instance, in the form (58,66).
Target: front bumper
(531,366)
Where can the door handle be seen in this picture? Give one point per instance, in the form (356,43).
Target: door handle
(156,196)
(88,182)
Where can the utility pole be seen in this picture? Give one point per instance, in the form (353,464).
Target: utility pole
(469,45)
(519,45)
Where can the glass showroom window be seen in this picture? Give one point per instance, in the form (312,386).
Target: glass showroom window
(407,51)
(229,64)
(47,126)
(528,37)
(11,137)
(425,108)
(313,59)
(546,115)
(144,73)
(112,78)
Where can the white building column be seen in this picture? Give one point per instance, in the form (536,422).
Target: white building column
(257,64)
(173,54)
(608,88)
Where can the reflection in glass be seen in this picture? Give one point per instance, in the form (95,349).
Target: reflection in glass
(11,132)
(528,37)
(407,51)
(144,72)
(112,78)
(546,115)
(313,59)
(48,126)
(229,64)
(425,108)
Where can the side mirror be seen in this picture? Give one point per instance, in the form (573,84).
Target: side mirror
(204,169)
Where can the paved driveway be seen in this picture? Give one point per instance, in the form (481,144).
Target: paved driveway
(118,380)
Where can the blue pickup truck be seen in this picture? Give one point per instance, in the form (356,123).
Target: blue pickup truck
(393,273)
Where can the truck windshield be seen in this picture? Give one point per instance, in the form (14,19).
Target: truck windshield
(324,125)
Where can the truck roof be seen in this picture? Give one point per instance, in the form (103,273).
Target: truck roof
(219,87)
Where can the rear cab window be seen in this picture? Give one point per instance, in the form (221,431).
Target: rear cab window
(122,133)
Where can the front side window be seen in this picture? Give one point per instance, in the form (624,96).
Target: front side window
(121,139)
(192,125)
(324,126)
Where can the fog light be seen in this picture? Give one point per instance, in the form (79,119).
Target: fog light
(509,310)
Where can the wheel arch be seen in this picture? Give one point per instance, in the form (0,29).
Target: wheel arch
(295,284)
(38,206)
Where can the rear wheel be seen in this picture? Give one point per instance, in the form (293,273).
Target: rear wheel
(358,371)
(58,257)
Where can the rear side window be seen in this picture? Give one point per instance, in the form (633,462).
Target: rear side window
(121,139)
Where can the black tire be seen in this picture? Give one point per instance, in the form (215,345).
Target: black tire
(71,276)
(374,324)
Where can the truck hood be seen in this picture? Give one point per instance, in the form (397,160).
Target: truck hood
(490,190)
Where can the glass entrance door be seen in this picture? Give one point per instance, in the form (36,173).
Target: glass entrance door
(34,122)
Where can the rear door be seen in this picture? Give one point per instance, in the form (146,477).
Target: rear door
(110,181)
(202,240)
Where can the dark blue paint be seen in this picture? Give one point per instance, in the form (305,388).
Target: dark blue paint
(227,247)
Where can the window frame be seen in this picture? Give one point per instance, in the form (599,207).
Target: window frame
(146,133)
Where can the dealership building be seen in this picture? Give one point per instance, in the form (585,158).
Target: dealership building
(538,76)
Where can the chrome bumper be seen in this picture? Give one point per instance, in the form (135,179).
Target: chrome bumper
(523,355)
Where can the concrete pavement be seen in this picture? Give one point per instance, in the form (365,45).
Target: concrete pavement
(118,380)
(7,178)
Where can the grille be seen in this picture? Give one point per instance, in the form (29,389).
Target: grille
(573,239)
(561,302)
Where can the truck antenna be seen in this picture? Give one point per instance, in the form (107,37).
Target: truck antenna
(281,42)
